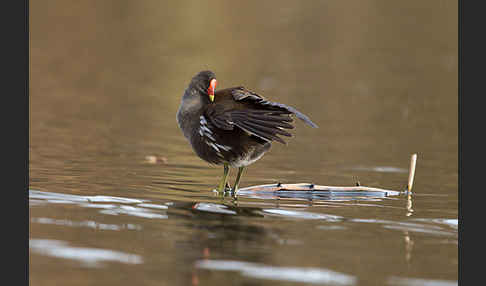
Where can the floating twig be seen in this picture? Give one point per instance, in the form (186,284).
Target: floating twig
(357,190)
(306,187)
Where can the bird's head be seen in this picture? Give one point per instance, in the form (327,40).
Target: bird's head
(205,83)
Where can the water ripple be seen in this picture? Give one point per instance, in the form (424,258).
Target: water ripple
(293,274)
(213,208)
(303,215)
(66,198)
(88,223)
(399,281)
(107,204)
(90,257)
(409,226)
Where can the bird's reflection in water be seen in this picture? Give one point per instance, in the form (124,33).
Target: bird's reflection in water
(219,234)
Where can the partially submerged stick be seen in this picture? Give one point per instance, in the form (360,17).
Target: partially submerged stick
(408,191)
(333,190)
(411,172)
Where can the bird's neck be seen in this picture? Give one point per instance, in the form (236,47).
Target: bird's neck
(191,106)
(191,101)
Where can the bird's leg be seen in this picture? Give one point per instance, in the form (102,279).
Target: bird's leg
(222,184)
(238,177)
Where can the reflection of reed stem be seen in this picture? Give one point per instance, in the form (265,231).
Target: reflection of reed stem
(409,205)
(408,247)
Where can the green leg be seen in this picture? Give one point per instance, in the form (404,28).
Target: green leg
(238,177)
(222,184)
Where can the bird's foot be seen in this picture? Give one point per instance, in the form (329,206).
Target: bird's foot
(234,198)
(224,192)
(227,188)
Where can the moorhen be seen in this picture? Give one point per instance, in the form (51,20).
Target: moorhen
(233,126)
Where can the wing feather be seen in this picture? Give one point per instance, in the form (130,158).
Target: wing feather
(258,133)
(255,115)
(242,94)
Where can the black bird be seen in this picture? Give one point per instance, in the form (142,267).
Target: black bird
(234,126)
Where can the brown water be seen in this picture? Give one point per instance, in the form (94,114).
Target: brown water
(378,77)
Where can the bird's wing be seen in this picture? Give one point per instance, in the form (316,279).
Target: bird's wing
(244,95)
(253,114)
